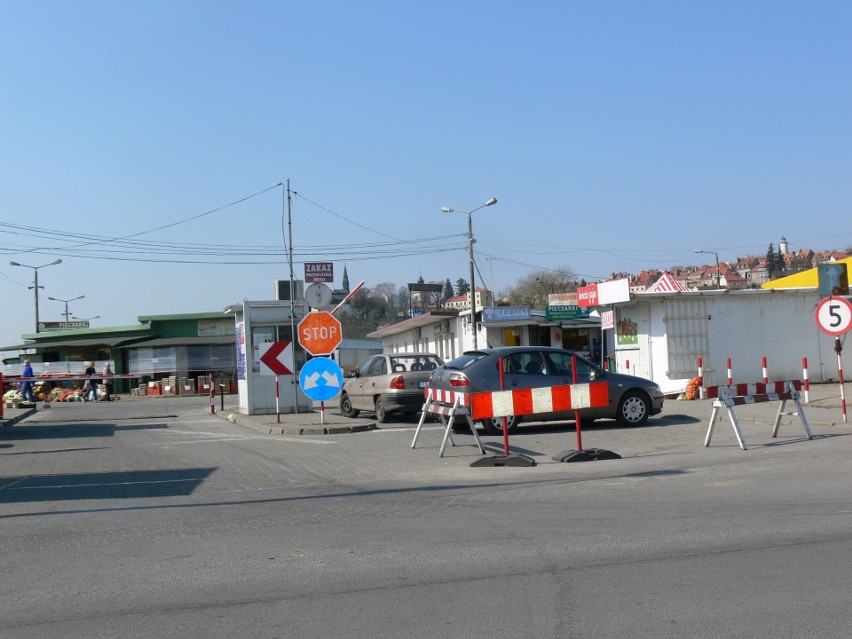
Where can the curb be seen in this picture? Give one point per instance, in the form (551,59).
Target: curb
(296,429)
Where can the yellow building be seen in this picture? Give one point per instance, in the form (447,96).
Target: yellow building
(804,279)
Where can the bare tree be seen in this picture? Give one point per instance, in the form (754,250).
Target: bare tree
(534,287)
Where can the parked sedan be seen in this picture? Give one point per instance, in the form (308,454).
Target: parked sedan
(388,383)
(631,399)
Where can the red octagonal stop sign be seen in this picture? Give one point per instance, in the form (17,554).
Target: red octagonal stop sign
(320,333)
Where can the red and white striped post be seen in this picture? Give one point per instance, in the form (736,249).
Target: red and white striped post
(700,379)
(765,378)
(277,405)
(505,420)
(730,376)
(838,349)
(806,384)
(576,412)
(212,394)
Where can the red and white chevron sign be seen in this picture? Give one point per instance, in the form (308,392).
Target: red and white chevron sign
(531,401)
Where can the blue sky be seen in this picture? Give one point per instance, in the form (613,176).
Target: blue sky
(616,136)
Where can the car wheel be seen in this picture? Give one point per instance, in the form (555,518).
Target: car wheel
(381,413)
(494,426)
(346,407)
(633,409)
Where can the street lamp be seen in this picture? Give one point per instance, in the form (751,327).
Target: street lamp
(718,274)
(35,283)
(73,299)
(447,209)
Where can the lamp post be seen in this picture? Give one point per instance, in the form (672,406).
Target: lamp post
(35,286)
(447,209)
(73,299)
(718,274)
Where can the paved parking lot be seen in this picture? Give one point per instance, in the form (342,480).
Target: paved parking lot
(151,518)
(675,437)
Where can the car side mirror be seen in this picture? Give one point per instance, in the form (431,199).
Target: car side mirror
(595,374)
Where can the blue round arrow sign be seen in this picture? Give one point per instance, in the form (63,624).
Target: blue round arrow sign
(321,378)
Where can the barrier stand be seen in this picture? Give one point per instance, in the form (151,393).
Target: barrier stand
(433,407)
(589,454)
(507,458)
(741,394)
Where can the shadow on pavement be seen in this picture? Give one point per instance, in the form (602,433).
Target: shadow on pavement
(114,485)
(77,429)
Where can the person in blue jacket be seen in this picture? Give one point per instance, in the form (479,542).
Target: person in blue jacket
(27,387)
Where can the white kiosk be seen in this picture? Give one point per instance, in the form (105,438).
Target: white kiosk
(264,323)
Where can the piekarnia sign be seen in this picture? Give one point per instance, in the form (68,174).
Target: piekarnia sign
(319,271)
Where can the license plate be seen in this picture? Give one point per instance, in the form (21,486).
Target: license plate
(422,384)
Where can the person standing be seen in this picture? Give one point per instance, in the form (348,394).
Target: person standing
(27,387)
(107,373)
(93,383)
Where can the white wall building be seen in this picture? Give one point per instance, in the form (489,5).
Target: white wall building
(660,336)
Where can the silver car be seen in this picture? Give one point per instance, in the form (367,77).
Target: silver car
(631,399)
(387,384)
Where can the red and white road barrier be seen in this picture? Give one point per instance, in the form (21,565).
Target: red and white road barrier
(746,390)
(505,403)
(212,394)
(743,394)
(443,411)
(807,384)
(531,401)
(765,377)
(446,397)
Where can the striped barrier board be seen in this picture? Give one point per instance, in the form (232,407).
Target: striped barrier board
(749,390)
(447,397)
(532,401)
(745,394)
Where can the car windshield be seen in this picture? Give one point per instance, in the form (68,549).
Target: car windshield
(405,363)
(463,361)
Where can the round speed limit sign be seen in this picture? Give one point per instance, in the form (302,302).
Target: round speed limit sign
(834,315)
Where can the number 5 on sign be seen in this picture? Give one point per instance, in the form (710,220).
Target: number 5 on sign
(834,315)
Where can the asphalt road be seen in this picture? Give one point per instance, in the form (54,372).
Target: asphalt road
(156,519)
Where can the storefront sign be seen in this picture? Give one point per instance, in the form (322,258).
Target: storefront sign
(565,312)
(587,295)
(505,313)
(562,299)
(62,326)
